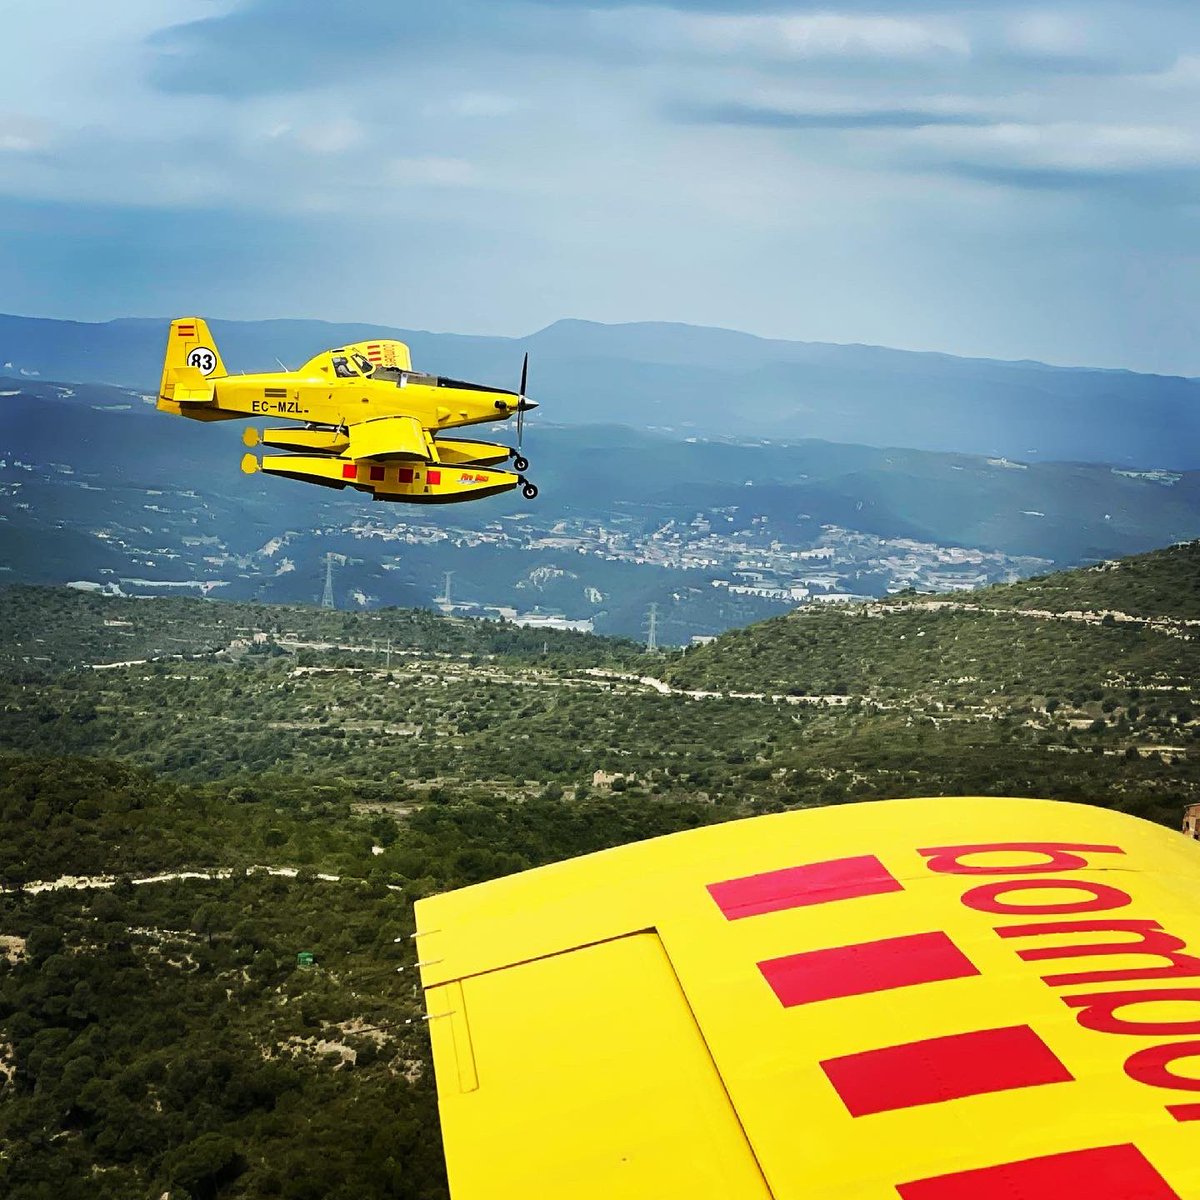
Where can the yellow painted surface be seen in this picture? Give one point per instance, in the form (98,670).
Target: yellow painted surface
(317,393)
(362,402)
(635,1134)
(405,481)
(388,437)
(455,452)
(489,940)
(327,441)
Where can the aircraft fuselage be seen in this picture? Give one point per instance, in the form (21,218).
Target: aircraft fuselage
(437,403)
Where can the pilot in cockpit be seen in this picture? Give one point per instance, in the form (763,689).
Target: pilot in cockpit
(342,368)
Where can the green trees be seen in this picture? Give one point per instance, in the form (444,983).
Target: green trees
(163,1037)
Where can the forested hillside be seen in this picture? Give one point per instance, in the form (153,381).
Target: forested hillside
(196,793)
(157,1031)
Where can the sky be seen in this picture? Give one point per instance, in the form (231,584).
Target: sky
(985,178)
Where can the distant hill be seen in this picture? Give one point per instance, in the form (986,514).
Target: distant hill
(1160,586)
(211,992)
(993,693)
(710,382)
(1132,625)
(97,485)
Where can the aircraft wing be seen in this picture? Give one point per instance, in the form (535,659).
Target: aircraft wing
(949,999)
(389,437)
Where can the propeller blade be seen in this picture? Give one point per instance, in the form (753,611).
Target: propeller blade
(521,401)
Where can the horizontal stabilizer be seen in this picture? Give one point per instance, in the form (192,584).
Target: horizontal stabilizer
(389,437)
(187,385)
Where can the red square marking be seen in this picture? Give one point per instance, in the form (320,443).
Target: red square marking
(405,475)
(1105,1173)
(376,474)
(795,887)
(349,471)
(433,477)
(866,967)
(945,1068)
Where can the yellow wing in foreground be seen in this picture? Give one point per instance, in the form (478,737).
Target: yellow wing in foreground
(967,999)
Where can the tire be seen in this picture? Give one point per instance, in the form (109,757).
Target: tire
(529,491)
(521,463)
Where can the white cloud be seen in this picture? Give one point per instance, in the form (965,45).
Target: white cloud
(431,171)
(331,137)
(1066,146)
(1052,34)
(19,134)
(556,169)
(480,104)
(786,36)
(1182,74)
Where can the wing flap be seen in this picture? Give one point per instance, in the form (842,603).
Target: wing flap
(584,1075)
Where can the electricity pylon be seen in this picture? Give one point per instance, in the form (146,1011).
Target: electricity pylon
(327,594)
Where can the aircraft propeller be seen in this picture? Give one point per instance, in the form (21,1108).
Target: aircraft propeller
(519,459)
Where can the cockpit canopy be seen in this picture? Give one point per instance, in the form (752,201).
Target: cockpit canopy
(348,366)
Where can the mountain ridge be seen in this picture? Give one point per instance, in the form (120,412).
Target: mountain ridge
(696,380)
(657,326)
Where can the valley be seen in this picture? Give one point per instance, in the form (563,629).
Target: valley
(218,815)
(713,534)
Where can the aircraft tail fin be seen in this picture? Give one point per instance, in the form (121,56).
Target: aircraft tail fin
(190,364)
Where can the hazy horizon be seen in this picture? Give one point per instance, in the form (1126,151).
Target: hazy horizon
(525,334)
(1002,180)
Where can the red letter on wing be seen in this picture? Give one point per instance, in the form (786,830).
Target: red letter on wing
(1059,857)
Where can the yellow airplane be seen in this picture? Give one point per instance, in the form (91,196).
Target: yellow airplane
(934,999)
(365,419)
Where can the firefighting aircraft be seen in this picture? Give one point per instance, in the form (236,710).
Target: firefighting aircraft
(365,419)
(945,999)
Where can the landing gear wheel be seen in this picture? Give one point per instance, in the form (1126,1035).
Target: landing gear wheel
(521,463)
(529,491)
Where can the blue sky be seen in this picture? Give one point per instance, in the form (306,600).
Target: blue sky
(983,178)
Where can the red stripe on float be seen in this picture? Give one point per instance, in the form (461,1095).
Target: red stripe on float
(866,967)
(1106,1173)
(795,887)
(945,1068)
(349,471)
